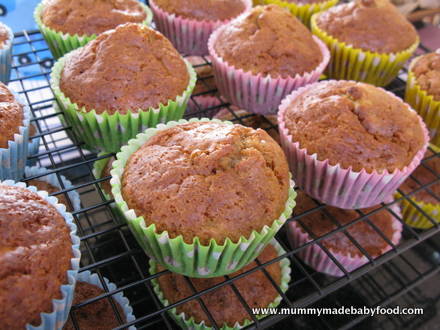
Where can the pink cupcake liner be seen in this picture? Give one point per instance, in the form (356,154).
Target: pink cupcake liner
(189,36)
(315,257)
(259,94)
(334,185)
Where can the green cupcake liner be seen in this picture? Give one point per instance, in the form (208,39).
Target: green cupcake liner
(108,132)
(196,259)
(190,323)
(425,105)
(61,43)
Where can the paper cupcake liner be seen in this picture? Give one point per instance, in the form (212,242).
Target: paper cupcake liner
(186,322)
(356,64)
(189,36)
(109,132)
(60,307)
(316,258)
(119,297)
(424,104)
(61,43)
(6,57)
(13,159)
(33,148)
(52,179)
(305,11)
(258,93)
(195,259)
(414,217)
(334,185)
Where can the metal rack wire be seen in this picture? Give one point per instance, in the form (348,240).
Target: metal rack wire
(110,250)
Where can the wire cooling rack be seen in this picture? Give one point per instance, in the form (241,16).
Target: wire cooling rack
(109,249)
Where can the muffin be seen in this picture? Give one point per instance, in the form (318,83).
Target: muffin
(69,24)
(34,143)
(303,9)
(370,40)
(205,181)
(109,96)
(223,304)
(425,199)
(14,128)
(318,223)
(350,144)
(6,38)
(98,315)
(423,91)
(39,258)
(188,24)
(262,56)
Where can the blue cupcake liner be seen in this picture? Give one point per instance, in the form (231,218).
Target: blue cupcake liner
(6,57)
(119,297)
(13,159)
(33,148)
(52,179)
(60,307)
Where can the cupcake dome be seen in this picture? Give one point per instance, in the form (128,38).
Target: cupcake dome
(203,10)
(100,76)
(35,256)
(371,25)
(46,186)
(426,70)
(223,303)
(355,125)
(11,114)
(268,41)
(88,17)
(206,180)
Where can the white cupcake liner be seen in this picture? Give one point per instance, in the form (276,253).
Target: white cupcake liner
(60,307)
(6,57)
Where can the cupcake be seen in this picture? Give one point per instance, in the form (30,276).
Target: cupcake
(51,184)
(423,91)
(350,144)
(425,199)
(14,128)
(188,24)
(98,315)
(6,38)
(69,24)
(39,259)
(262,56)
(203,197)
(369,40)
(303,9)
(319,223)
(34,144)
(108,96)
(223,303)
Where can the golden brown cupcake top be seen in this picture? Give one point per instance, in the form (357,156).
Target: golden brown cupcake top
(43,185)
(320,223)
(98,315)
(427,72)
(209,180)
(425,174)
(270,41)
(203,10)
(223,303)
(4,35)
(355,124)
(371,25)
(131,67)
(35,253)
(11,116)
(87,17)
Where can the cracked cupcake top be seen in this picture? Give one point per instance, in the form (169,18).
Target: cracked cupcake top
(371,25)
(203,10)
(87,17)
(11,116)
(131,67)
(355,124)
(209,180)
(270,41)
(427,72)
(35,253)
